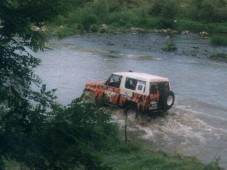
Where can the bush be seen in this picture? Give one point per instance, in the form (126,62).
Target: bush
(208,11)
(94,28)
(219,56)
(166,10)
(89,21)
(220,28)
(68,137)
(193,26)
(65,31)
(221,15)
(100,8)
(219,40)
(123,18)
(165,23)
(169,46)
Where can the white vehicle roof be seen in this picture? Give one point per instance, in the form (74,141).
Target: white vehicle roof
(142,76)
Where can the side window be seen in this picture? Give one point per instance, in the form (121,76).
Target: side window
(141,85)
(153,88)
(163,86)
(114,81)
(130,83)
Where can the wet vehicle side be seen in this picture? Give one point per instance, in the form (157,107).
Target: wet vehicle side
(142,92)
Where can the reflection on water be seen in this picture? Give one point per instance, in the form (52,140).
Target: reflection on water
(199,84)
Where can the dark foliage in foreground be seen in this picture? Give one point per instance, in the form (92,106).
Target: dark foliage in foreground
(66,138)
(30,132)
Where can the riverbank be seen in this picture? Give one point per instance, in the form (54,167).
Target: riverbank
(134,155)
(169,44)
(104,16)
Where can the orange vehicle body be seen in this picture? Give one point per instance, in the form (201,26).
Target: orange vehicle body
(142,101)
(141,95)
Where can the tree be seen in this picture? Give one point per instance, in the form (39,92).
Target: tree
(21,107)
(34,130)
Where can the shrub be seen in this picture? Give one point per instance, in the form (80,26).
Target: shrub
(165,23)
(219,40)
(220,28)
(220,15)
(217,55)
(193,26)
(65,31)
(69,137)
(166,10)
(169,46)
(207,11)
(100,8)
(122,18)
(94,28)
(89,21)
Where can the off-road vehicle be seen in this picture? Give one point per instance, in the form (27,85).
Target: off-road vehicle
(138,92)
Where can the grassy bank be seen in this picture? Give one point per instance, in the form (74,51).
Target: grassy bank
(121,15)
(135,157)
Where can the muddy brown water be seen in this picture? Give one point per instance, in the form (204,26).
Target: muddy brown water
(195,126)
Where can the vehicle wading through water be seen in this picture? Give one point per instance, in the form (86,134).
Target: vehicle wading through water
(137,93)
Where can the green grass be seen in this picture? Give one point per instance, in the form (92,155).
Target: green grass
(193,26)
(132,156)
(145,159)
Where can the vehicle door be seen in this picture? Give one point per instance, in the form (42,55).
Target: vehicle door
(129,88)
(112,91)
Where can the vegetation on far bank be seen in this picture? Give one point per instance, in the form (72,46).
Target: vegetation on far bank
(200,16)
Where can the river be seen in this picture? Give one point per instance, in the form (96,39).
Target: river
(196,126)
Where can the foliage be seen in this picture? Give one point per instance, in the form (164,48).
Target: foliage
(29,134)
(145,159)
(219,40)
(66,31)
(209,10)
(169,46)
(166,10)
(72,138)
(193,26)
(120,15)
(218,56)
(22,107)
(89,21)
(68,138)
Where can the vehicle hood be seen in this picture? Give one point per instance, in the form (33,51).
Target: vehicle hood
(92,84)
